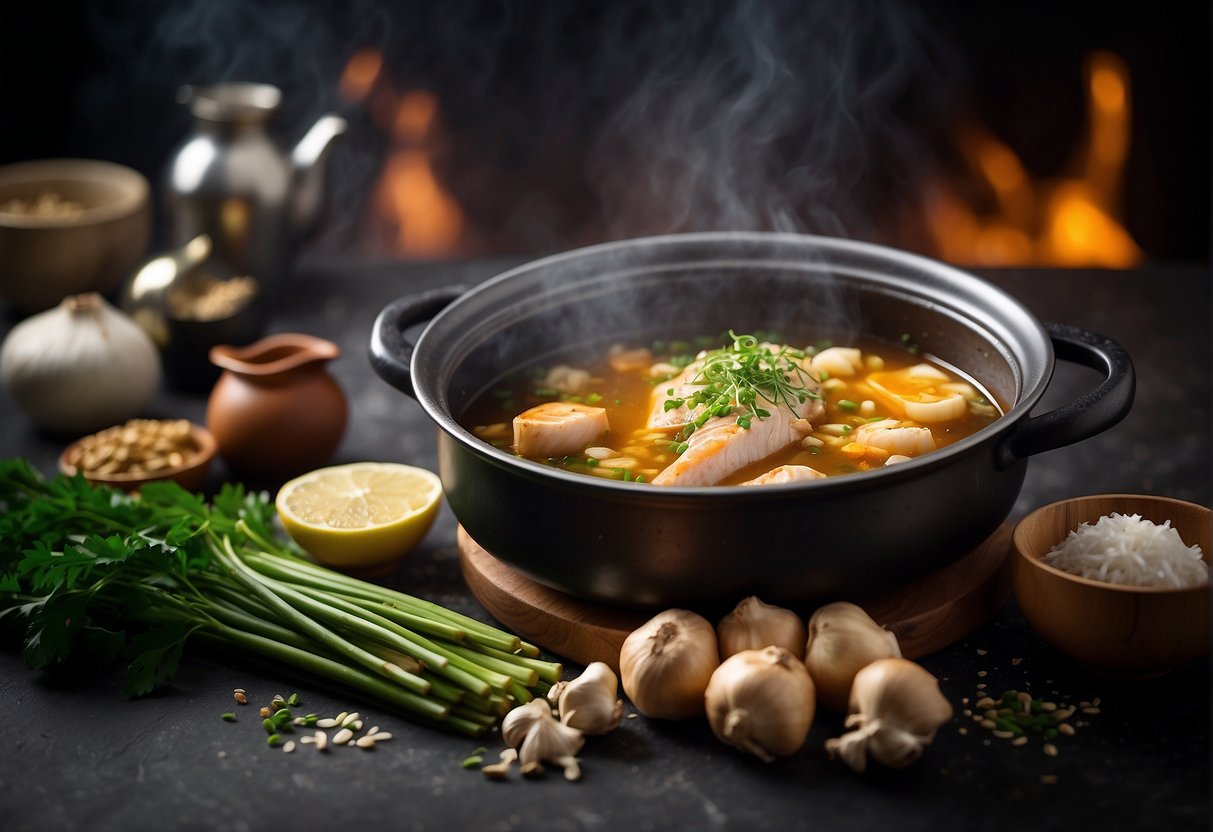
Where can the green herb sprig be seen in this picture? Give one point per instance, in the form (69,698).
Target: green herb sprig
(96,572)
(738,376)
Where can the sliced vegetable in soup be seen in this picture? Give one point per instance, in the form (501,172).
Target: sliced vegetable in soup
(754,411)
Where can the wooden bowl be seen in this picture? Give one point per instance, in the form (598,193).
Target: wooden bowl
(1120,631)
(45,258)
(189,475)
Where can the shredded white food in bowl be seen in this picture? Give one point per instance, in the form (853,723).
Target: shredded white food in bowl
(1125,549)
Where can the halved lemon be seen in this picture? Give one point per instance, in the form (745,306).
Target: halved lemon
(360,515)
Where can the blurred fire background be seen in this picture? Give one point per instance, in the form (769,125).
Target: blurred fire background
(1028,133)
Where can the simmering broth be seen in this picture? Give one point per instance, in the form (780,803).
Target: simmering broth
(731,410)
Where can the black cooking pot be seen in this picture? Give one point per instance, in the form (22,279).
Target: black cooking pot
(649,545)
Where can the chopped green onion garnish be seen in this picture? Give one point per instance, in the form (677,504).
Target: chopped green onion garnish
(847,404)
(591,463)
(681,448)
(545,391)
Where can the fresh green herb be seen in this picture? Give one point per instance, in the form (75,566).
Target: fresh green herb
(91,570)
(737,376)
(593,398)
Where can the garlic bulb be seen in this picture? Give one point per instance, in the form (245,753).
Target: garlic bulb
(843,639)
(537,735)
(896,708)
(666,664)
(762,702)
(589,702)
(80,367)
(753,625)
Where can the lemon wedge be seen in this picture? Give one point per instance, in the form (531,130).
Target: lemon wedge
(359,515)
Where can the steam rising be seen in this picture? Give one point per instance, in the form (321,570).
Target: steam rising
(569,123)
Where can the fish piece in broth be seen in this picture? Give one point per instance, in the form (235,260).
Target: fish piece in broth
(558,428)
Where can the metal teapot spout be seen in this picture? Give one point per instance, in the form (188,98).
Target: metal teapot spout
(307,170)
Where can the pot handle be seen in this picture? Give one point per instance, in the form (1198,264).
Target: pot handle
(391,352)
(1092,413)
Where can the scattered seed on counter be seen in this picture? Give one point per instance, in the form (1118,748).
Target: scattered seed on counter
(240,697)
(327,722)
(365,743)
(981,652)
(1050,749)
(289,747)
(1049,779)
(343,736)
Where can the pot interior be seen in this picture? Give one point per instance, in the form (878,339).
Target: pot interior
(812,300)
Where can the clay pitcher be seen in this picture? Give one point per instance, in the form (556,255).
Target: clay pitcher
(275,411)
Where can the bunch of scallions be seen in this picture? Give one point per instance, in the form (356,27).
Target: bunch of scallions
(88,570)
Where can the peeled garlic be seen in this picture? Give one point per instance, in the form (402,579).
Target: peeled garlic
(666,664)
(590,703)
(896,708)
(762,702)
(81,366)
(537,735)
(843,639)
(753,625)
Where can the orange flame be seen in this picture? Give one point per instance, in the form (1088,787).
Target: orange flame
(422,218)
(1072,221)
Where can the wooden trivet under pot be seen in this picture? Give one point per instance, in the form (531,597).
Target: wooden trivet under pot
(926,615)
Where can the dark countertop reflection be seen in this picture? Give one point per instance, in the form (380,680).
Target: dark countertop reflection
(77,755)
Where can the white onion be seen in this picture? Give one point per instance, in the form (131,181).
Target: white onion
(80,367)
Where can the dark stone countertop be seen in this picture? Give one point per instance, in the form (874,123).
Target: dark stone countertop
(76,755)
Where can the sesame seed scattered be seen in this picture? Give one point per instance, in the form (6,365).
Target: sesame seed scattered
(981,652)
(963,731)
(1066,728)
(981,686)
(988,724)
(240,698)
(1090,710)
(1015,662)
(1003,735)
(289,747)
(1019,741)
(981,674)
(1050,749)
(1048,779)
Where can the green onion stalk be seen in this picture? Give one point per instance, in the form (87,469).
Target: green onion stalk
(92,571)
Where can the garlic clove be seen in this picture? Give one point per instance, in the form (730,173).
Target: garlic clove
(753,625)
(761,702)
(843,639)
(589,703)
(537,735)
(666,663)
(896,709)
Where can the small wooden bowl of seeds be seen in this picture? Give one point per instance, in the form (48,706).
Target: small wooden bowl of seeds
(130,455)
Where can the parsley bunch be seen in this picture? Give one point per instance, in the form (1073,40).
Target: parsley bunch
(89,570)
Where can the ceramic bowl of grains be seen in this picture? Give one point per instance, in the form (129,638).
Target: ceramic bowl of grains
(69,226)
(1119,582)
(131,455)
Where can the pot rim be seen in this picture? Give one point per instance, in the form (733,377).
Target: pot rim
(437,408)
